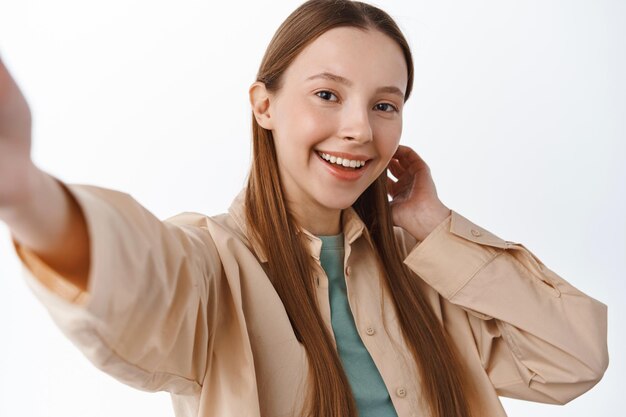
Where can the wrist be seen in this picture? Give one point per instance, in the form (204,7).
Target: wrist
(429,220)
(19,192)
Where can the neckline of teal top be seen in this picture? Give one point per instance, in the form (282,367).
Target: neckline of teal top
(330,242)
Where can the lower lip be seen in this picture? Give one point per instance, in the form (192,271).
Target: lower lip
(343,173)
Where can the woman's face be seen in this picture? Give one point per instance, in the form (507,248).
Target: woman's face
(342,97)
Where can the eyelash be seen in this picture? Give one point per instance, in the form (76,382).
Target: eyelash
(388,104)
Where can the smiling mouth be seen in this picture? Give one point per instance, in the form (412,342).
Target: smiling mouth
(347,164)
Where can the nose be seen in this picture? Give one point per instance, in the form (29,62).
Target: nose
(355,124)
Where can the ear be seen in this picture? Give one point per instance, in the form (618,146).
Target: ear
(260,102)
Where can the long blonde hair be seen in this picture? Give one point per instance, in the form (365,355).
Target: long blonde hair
(288,261)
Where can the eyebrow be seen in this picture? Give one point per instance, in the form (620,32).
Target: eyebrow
(342,80)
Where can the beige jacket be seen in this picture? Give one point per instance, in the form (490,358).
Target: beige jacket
(184,305)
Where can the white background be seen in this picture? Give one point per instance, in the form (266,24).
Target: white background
(518,108)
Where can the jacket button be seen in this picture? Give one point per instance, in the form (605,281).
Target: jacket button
(348,270)
(370,330)
(475,232)
(401,392)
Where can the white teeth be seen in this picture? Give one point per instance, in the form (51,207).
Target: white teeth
(340,161)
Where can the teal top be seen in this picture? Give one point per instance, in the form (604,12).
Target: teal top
(368,388)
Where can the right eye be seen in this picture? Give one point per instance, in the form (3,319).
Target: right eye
(325,95)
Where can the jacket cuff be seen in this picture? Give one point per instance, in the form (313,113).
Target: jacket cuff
(47,277)
(453,253)
(47,282)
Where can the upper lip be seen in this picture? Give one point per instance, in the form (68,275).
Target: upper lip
(345,155)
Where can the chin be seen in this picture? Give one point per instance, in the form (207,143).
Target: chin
(338,202)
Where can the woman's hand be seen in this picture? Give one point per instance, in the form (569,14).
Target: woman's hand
(15,141)
(414,206)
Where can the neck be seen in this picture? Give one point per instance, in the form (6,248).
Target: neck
(319,222)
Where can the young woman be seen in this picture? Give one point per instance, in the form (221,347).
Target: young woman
(314,295)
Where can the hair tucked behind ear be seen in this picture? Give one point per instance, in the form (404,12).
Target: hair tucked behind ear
(442,376)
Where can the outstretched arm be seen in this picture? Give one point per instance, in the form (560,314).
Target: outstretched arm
(138,296)
(38,210)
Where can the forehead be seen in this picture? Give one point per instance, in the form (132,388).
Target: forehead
(366,57)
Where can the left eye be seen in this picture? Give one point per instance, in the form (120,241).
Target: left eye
(390,107)
(325,95)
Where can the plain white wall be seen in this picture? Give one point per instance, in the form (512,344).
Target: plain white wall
(519,109)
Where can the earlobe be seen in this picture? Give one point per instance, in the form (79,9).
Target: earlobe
(260,102)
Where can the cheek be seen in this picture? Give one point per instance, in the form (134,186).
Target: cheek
(309,125)
(298,128)
(388,138)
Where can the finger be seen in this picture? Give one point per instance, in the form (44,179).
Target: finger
(391,187)
(405,153)
(408,157)
(395,168)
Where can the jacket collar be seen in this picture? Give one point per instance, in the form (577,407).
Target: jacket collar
(352,227)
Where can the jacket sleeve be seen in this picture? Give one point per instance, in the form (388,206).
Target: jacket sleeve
(148,315)
(538,337)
